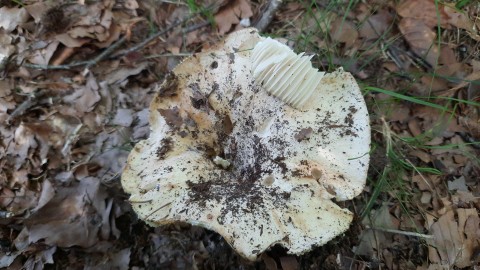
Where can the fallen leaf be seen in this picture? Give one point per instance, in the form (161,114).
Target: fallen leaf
(43,55)
(376,25)
(37,10)
(76,214)
(459,19)
(24,139)
(454,246)
(122,74)
(71,42)
(231,14)
(7,259)
(84,98)
(46,195)
(458,184)
(6,47)
(123,117)
(289,263)
(10,18)
(421,39)
(269,262)
(424,11)
(344,31)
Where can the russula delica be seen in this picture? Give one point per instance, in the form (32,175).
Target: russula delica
(249,140)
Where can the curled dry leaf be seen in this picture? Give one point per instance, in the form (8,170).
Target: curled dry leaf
(231,14)
(376,25)
(462,21)
(10,18)
(455,241)
(421,39)
(85,97)
(73,217)
(6,47)
(43,55)
(344,31)
(423,10)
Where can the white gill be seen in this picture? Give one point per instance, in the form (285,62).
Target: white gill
(283,73)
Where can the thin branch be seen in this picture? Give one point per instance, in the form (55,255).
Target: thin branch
(107,52)
(267,15)
(31,101)
(421,235)
(160,33)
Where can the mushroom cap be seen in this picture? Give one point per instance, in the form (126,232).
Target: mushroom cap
(227,155)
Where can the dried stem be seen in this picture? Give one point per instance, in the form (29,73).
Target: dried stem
(421,235)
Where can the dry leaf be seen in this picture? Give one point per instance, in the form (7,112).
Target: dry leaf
(455,242)
(37,10)
(459,19)
(84,98)
(422,10)
(123,117)
(69,41)
(344,31)
(376,25)
(76,213)
(10,18)
(42,56)
(6,49)
(458,184)
(231,14)
(289,263)
(421,39)
(269,262)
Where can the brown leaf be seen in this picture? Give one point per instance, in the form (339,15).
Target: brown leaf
(10,18)
(73,217)
(231,14)
(37,10)
(84,98)
(344,31)
(6,47)
(69,41)
(421,39)
(459,19)
(24,140)
(455,241)
(269,262)
(42,56)
(422,10)
(289,263)
(123,117)
(376,25)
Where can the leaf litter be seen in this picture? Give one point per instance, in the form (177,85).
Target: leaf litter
(66,133)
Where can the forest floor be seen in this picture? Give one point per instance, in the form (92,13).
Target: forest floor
(77,78)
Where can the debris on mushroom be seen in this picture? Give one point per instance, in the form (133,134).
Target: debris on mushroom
(249,140)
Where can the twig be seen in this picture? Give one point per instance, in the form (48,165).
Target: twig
(156,35)
(168,55)
(267,15)
(107,52)
(421,235)
(25,105)
(87,64)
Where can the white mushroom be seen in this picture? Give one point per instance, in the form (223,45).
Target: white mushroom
(231,155)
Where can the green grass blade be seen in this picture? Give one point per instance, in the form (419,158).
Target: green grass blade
(406,98)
